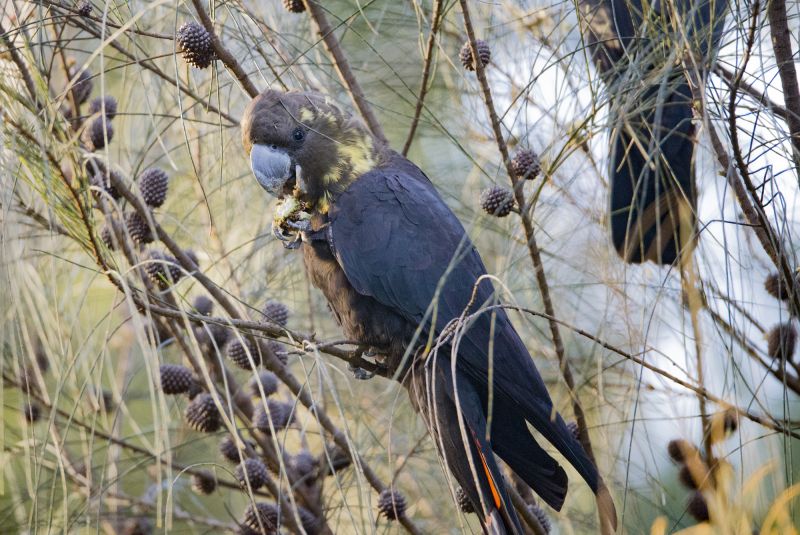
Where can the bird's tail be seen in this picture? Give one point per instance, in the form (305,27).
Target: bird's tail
(653,198)
(553,428)
(456,420)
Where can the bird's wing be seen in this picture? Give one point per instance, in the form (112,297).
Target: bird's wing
(398,242)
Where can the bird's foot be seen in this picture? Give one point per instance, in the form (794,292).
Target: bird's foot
(360,373)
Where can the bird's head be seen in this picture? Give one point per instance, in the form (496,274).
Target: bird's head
(301,145)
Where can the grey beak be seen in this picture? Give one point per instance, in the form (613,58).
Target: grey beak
(271,166)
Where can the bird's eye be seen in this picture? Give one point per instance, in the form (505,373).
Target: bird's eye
(298,134)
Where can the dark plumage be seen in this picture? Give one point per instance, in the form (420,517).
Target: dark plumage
(383,247)
(653,194)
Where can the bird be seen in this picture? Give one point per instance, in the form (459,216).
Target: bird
(636,47)
(401,276)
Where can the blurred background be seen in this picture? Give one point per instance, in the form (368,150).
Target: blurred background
(107,446)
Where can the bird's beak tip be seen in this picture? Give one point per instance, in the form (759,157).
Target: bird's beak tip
(271,167)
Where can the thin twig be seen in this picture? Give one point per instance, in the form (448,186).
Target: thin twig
(784,57)
(426,72)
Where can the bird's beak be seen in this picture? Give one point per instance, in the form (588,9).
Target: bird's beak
(272,168)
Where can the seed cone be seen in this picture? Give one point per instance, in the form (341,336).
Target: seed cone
(268,382)
(228,449)
(238,350)
(279,351)
(280,412)
(252,471)
(497,201)
(262,518)
(541,516)
(391,504)
(153,186)
(83,85)
(204,482)
(463,501)
(679,450)
(202,414)
(203,305)
(107,105)
(305,466)
(84,8)
(467,59)
(781,341)
(195,43)
(98,133)
(32,411)
(107,237)
(163,270)
(175,379)
(526,165)
(309,522)
(294,6)
(698,507)
(139,229)
(276,312)
(104,186)
(776,287)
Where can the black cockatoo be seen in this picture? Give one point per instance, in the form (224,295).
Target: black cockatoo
(638,47)
(397,267)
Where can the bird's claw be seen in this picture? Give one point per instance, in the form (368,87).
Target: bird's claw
(290,241)
(360,373)
(303,225)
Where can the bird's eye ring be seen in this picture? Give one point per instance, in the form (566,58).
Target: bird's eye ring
(298,134)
